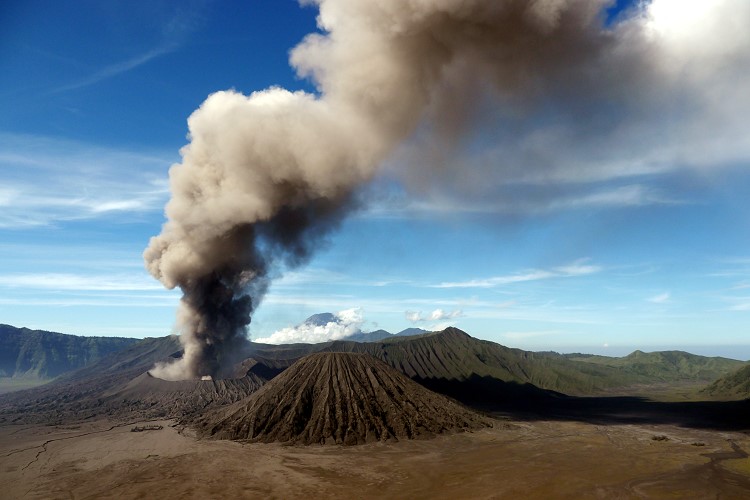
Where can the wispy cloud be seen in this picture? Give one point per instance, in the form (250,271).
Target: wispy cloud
(173,36)
(436,315)
(167,302)
(635,195)
(739,303)
(578,268)
(82,181)
(661,298)
(521,200)
(78,282)
(117,68)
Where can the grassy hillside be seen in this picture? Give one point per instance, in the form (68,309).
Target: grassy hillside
(733,385)
(665,366)
(457,364)
(36,354)
(454,356)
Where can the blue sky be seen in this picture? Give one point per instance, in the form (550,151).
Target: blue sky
(648,250)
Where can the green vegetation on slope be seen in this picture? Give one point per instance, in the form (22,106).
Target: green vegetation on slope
(735,384)
(665,366)
(445,361)
(35,354)
(452,355)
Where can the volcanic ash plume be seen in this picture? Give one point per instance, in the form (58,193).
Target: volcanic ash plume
(266,176)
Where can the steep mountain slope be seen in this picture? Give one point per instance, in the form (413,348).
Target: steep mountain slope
(441,360)
(128,363)
(121,387)
(478,371)
(666,366)
(77,394)
(732,385)
(473,371)
(38,354)
(342,398)
(181,398)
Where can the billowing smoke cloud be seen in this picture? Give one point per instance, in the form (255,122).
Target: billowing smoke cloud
(624,120)
(266,176)
(341,325)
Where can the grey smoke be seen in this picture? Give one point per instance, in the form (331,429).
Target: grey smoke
(266,176)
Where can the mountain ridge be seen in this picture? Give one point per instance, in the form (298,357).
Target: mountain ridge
(476,372)
(27,353)
(667,366)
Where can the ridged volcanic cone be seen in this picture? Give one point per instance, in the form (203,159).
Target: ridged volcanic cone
(343,398)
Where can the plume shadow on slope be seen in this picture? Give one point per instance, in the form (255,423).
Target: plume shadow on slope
(524,385)
(611,410)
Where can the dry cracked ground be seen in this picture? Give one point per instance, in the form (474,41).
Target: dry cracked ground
(520,459)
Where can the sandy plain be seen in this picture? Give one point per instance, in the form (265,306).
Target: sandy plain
(516,459)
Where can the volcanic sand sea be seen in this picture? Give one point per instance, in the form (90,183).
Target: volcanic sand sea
(530,459)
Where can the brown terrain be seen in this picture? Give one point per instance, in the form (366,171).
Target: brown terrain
(341,398)
(527,459)
(111,430)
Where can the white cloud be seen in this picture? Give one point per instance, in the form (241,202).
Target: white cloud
(347,323)
(661,298)
(578,268)
(401,205)
(166,301)
(414,316)
(437,320)
(635,195)
(81,181)
(174,31)
(117,68)
(739,303)
(533,275)
(78,282)
(436,315)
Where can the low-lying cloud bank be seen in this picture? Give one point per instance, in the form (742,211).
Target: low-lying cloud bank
(341,325)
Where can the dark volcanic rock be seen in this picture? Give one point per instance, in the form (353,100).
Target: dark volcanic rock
(342,398)
(78,395)
(181,398)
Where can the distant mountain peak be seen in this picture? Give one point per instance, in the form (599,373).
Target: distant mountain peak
(322,319)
